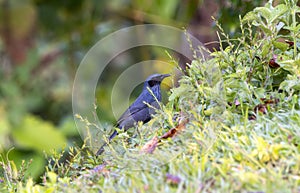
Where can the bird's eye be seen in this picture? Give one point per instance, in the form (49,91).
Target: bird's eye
(152,83)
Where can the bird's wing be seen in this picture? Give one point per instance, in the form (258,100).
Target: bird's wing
(138,107)
(135,108)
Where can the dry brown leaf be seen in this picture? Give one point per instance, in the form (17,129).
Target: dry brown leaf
(270,101)
(273,63)
(172,132)
(260,108)
(266,102)
(150,146)
(252,117)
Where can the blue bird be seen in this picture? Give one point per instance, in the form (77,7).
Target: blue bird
(142,108)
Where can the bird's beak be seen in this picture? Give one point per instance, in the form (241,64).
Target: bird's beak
(164,76)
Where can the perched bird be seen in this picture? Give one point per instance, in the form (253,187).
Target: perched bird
(142,108)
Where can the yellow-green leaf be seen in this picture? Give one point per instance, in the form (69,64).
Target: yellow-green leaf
(38,134)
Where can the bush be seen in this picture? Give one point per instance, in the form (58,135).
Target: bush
(238,113)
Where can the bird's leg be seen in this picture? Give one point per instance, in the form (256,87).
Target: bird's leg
(101,149)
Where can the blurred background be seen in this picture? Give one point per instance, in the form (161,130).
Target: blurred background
(42,43)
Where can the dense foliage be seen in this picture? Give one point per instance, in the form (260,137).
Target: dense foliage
(241,110)
(42,43)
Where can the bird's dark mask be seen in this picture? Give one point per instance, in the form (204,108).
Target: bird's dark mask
(153,82)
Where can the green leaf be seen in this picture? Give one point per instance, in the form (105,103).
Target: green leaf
(263,27)
(68,127)
(178,92)
(264,12)
(277,12)
(37,134)
(293,29)
(4,126)
(167,8)
(290,65)
(265,49)
(280,45)
(292,82)
(251,16)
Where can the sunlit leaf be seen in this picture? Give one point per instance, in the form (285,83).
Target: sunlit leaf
(38,134)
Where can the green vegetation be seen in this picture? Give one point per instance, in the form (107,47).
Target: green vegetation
(41,45)
(242,108)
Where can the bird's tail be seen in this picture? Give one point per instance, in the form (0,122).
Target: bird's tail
(101,149)
(113,135)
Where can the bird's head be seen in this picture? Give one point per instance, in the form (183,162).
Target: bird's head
(155,79)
